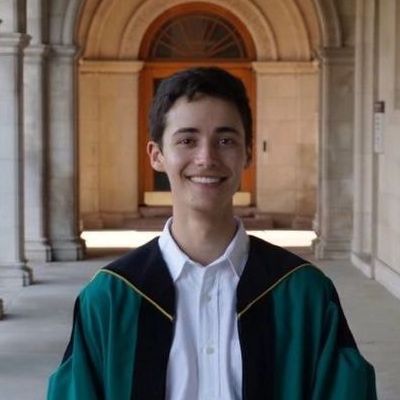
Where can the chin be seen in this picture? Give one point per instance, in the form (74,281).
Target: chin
(211,206)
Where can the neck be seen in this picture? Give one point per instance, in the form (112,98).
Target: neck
(203,238)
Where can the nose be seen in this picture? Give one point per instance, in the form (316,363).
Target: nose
(206,155)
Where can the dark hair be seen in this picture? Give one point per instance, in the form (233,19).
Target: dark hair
(210,81)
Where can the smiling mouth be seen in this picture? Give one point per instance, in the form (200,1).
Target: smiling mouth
(206,179)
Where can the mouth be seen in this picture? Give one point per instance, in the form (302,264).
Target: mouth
(206,180)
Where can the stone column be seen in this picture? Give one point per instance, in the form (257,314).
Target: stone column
(35,173)
(13,268)
(35,134)
(63,183)
(333,223)
(365,76)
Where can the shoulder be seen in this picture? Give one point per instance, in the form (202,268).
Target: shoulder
(136,258)
(279,263)
(273,256)
(115,279)
(289,270)
(268,269)
(139,274)
(310,282)
(139,265)
(306,290)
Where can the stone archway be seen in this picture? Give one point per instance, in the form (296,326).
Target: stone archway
(69,11)
(171,44)
(258,18)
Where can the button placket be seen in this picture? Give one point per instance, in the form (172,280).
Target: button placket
(209,335)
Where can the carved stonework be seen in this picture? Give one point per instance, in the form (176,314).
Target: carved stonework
(329,22)
(138,22)
(141,16)
(253,19)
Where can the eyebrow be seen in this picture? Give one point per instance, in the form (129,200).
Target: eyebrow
(224,129)
(186,130)
(220,129)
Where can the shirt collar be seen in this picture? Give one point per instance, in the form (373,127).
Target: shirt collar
(236,253)
(173,256)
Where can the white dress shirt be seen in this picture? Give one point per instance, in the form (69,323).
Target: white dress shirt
(205,361)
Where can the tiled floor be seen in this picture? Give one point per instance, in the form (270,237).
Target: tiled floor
(36,328)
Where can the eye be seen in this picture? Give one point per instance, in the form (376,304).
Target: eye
(186,141)
(226,141)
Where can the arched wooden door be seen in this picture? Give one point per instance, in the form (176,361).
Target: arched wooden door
(195,34)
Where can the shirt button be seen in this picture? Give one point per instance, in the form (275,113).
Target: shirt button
(207,298)
(210,350)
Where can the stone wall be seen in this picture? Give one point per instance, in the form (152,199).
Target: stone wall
(376,233)
(287,137)
(387,257)
(108,126)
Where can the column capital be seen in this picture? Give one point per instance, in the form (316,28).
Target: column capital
(13,43)
(336,55)
(35,53)
(63,53)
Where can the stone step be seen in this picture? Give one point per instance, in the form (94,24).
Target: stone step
(154,218)
(166,211)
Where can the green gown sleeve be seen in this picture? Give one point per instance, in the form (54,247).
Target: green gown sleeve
(79,375)
(341,371)
(316,357)
(98,362)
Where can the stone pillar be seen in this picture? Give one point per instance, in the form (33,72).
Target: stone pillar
(333,223)
(35,173)
(365,76)
(13,268)
(63,183)
(35,135)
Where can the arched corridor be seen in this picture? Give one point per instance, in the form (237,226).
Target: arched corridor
(76,77)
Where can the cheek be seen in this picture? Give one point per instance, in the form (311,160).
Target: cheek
(237,160)
(173,164)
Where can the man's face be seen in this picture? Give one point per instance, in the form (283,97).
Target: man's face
(203,153)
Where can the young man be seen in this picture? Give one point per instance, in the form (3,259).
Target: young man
(205,311)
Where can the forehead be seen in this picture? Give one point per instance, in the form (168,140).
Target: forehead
(201,106)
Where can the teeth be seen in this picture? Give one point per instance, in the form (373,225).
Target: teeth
(205,179)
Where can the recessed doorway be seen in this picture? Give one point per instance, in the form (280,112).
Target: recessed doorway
(196,34)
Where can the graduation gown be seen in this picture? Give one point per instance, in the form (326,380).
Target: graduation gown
(294,338)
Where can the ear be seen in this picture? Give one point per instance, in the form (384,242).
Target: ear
(155,156)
